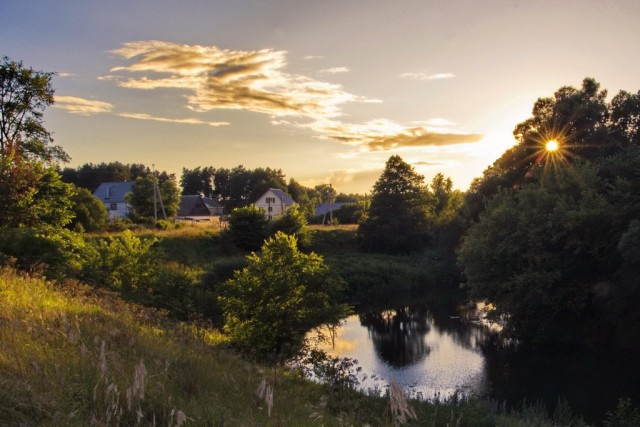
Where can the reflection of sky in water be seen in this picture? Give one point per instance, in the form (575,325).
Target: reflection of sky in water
(450,363)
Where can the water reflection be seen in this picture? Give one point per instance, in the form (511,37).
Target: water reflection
(429,353)
(398,335)
(438,353)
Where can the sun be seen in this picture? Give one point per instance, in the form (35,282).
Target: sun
(551,145)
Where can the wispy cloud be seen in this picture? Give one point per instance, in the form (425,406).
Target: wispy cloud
(230,79)
(82,106)
(335,70)
(63,74)
(256,81)
(427,76)
(383,135)
(188,121)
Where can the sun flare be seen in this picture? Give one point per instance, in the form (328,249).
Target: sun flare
(551,145)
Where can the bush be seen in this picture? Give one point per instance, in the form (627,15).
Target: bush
(57,253)
(247,227)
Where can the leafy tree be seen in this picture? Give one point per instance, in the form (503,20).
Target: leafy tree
(248,227)
(270,305)
(538,252)
(399,218)
(294,223)
(24,95)
(32,194)
(90,175)
(90,213)
(579,119)
(141,197)
(198,181)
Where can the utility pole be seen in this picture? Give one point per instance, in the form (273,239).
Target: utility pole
(155,203)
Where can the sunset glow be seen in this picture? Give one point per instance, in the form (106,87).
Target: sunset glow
(441,84)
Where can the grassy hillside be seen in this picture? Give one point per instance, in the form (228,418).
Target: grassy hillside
(70,355)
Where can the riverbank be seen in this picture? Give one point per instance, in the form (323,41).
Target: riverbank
(71,355)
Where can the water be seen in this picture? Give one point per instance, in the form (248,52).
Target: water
(437,355)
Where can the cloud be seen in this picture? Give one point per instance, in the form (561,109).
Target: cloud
(423,163)
(82,106)
(384,135)
(335,70)
(189,121)
(426,76)
(229,79)
(63,74)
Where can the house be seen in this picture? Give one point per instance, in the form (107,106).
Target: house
(112,194)
(326,207)
(275,202)
(198,207)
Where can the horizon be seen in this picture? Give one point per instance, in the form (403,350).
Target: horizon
(325,92)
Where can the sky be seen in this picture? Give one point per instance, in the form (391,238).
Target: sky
(325,90)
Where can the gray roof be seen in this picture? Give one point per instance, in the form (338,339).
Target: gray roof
(113,192)
(197,205)
(323,208)
(286,199)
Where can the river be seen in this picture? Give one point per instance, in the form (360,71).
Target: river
(436,355)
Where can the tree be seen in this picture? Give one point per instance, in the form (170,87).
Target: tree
(294,223)
(32,194)
(538,252)
(198,181)
(90,212)
(270,305)
(90,175)
(400,212)
(248,227)
(24,95)
(141,197)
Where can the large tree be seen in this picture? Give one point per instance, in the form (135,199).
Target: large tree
(270,305)
(32,194)
(141,197)
(24,95)
(399,217)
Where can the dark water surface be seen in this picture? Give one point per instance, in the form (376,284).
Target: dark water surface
(435,354)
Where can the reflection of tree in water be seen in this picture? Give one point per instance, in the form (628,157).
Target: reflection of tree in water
(398,335)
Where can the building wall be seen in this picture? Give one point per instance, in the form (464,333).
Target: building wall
(273,206)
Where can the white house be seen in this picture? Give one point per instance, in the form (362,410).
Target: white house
(112,195)
(274,202)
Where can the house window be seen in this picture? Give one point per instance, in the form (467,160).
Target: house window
(270,209)
(113,206)
(271,199)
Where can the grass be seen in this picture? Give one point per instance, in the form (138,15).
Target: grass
(74,356)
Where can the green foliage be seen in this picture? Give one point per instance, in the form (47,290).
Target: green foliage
(248,227)
(32,195)
(625,415)
(90,175)
(141,198)
(57,253)
(90,212)
(271,304)
(24,95)
(124,262)
(537,252)
(399,218)
(294,223)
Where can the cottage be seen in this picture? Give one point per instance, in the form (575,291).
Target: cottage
(275,202)
(197,207)
(112,194)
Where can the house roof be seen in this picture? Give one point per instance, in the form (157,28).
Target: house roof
(286,199)
(323,208)
(113,192)
(197,205)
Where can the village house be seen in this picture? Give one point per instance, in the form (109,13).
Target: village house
(198,208)
(275,202)
(112,194)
